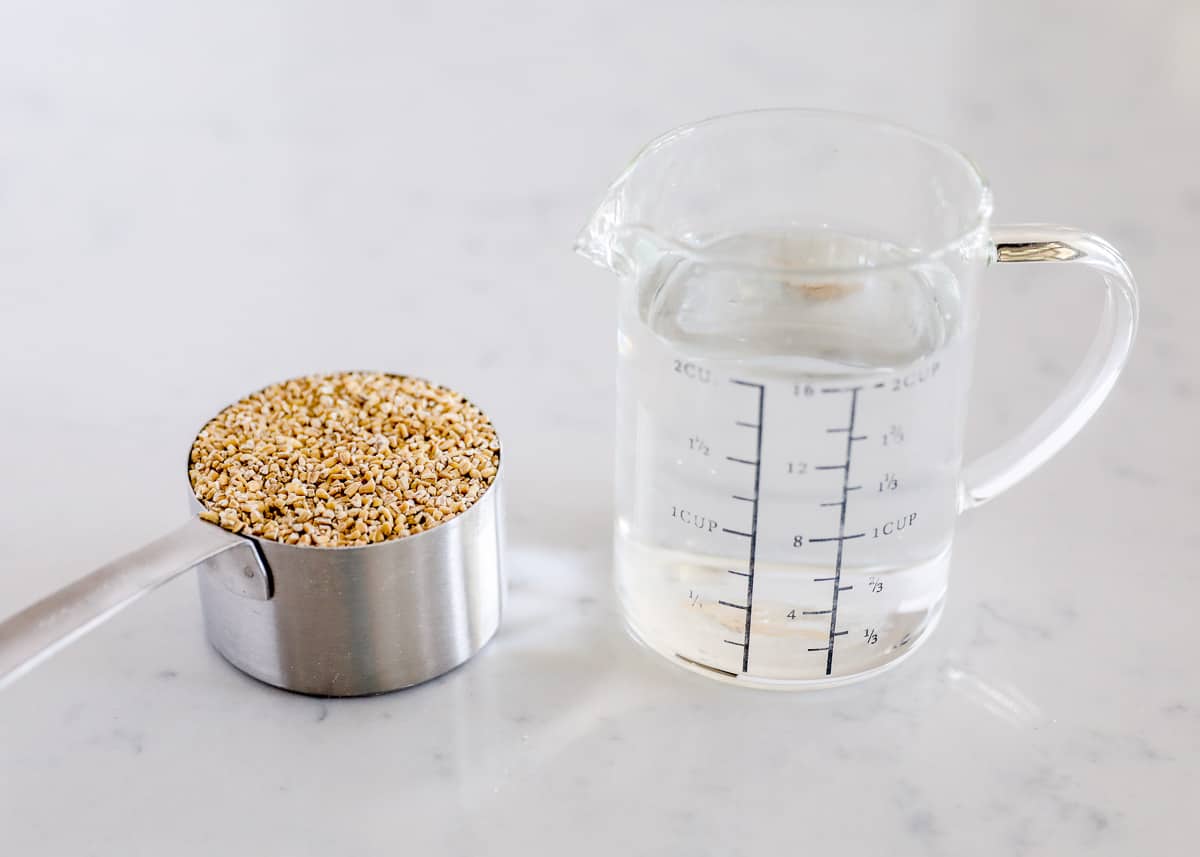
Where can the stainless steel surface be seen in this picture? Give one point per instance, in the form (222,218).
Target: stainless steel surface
(42,629)
(241,572)
(323,621)
(1027,248)
(362,620)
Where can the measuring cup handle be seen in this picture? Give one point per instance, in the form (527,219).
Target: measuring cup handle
(1002,468)
(42,629)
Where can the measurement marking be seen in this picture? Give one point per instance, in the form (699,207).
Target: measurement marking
(753,535)
(741,461)
(830,467)
(736,643)
(820,649)
(731,604)
(745,384)
(838,538)
(822,579)
(747,499)
(738,573)
(746,425)
(854,438)
(833,503)
(814,612)
(840,389)
(879,385)
(840,634)
(843,589)
(735,532)
(705,666)
(853,487)
(842,537)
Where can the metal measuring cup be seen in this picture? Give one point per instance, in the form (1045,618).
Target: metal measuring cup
(327,621)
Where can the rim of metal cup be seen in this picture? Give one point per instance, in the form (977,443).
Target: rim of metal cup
(198,505)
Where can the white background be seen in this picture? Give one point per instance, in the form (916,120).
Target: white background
(197,199)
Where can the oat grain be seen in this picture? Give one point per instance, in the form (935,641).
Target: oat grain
(353,458)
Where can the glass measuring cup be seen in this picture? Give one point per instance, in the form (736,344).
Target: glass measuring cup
(797,316)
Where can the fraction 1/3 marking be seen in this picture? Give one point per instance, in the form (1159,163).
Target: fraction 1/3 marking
(842,537)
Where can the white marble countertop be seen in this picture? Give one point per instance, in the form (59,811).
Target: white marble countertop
(198,199)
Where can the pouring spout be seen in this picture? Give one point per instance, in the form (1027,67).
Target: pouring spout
(626,231)
(601,241)
(617,243)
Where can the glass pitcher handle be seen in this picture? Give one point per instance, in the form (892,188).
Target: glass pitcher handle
(1000,469)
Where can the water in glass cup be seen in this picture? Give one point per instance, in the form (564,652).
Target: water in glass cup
(787,454)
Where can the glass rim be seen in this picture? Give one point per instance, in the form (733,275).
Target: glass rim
(977,225)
